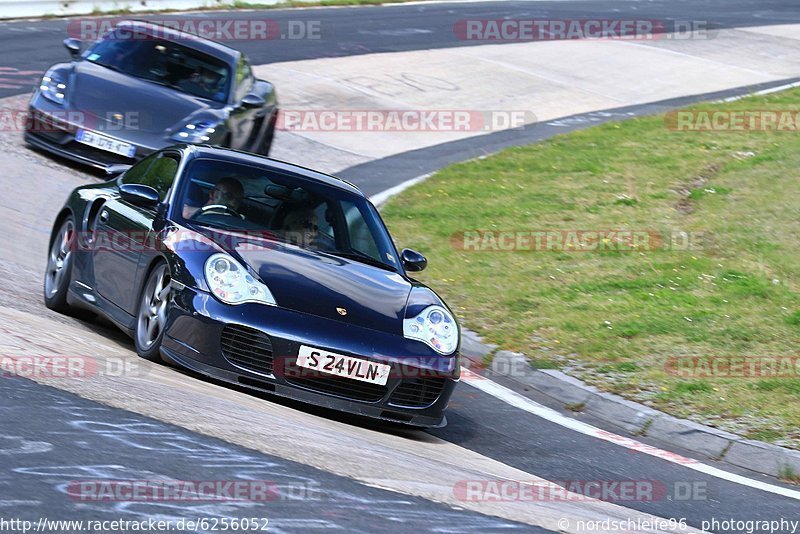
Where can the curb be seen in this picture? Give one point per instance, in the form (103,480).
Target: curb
(635,418)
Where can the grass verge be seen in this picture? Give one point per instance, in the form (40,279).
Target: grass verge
(621,319)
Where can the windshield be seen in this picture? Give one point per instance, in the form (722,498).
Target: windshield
(284,207)
(165,63)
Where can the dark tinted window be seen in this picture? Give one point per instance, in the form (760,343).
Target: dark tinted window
(284,207)
(159,174)
(163,62)
(244,78)
(135,174)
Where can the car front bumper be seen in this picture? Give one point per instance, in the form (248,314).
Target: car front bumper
(48,128)
(256,346)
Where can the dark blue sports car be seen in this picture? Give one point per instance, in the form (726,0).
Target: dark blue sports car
(262,274)
(143,87)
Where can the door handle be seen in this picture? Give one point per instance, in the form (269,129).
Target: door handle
(104,216)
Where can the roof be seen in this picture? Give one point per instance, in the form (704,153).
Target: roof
(291,168)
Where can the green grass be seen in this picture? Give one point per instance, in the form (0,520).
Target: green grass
(614,317)
(788,474)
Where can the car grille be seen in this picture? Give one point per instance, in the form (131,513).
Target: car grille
(417,392)
(346,388)
(58,137)
(247,348)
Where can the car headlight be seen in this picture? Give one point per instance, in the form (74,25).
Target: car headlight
(232,284)
(53,88)
(196,132)
(434,326)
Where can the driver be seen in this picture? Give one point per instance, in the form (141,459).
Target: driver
(227,193)
(203,82)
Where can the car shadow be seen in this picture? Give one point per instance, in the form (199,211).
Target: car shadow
(68,164)
(102,326)
(385,427)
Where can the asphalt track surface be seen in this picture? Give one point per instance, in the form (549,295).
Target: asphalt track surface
(96,442)
(73,433)
(32,46)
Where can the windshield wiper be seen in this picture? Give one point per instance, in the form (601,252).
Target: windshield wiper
(108,66)
(359,256)
(158,82)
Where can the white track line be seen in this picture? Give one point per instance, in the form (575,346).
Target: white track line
(380,198)
(762,92)
(519,401)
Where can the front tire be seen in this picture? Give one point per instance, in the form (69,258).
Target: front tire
(58,273)
(151,317)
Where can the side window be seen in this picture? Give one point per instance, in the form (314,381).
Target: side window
(161,174)
(158,171)
(244,78)
(135,174)
(361,238)
(323,223)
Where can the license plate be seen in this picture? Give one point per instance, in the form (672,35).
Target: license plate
(103,142)
(344,366)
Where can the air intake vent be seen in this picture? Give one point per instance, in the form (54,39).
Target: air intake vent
(247,348)
(417,392)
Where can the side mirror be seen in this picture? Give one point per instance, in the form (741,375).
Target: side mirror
(253,101)
(412,260)
(118,168)
(139,195)
(73,45)
(161,217)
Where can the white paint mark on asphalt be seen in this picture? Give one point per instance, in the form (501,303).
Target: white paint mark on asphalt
(400,32)
(18,502)
(385,195)
(763,92)
(18,445)
(539,75)
(519,401)
(693,57)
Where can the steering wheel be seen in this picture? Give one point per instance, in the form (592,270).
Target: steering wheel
(217,207)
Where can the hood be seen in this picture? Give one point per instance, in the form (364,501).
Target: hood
(149,108)
(316,283)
